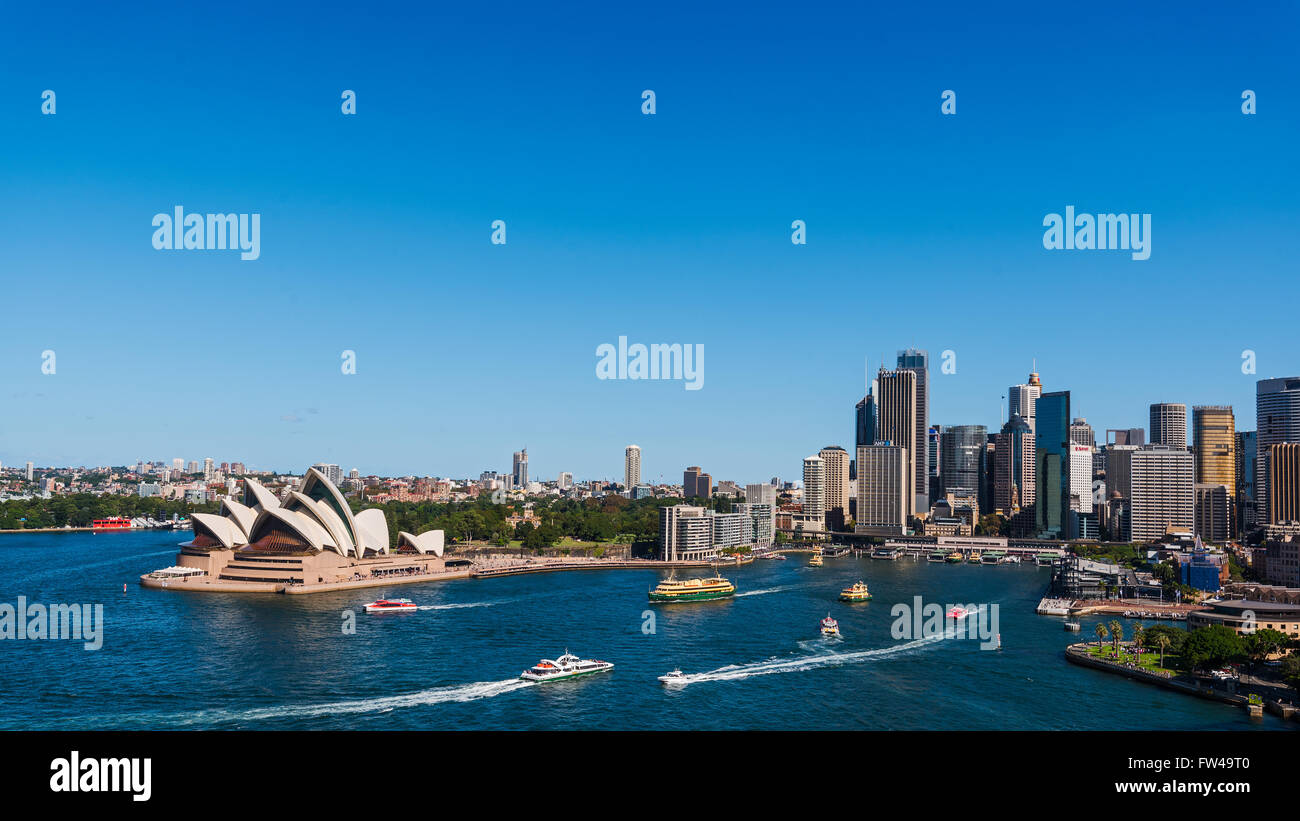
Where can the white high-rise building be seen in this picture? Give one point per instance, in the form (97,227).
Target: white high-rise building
(814,489)
(178,465)
(835,465)
(565,481)
(1169,425)
(1081,478)
(631,468)
(1161,491)
(762,494)
(29,471)
(207,469)
(332,472)
(1023,399)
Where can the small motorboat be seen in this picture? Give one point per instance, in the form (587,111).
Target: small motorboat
(672,676)
(390,606)
(958,613)
(830,627)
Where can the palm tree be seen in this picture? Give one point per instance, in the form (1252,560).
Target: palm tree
(1163,641)
(1116,635)
(1101,634)
(1137,641)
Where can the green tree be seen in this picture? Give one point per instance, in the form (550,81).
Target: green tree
(1211,646)
(1102,632)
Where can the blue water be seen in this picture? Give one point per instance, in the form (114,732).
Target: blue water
(268,661)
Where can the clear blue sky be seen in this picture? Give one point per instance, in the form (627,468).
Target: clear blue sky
(923,230)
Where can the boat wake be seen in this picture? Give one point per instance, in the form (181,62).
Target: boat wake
(823,658)
(455,606)
(385,704)
(777,589)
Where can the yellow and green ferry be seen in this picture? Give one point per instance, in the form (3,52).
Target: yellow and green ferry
(857,592)
(672,590)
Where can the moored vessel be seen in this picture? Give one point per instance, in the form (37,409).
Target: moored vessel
(672,590)
(954,557)
(856,592)
(566,666)
(936,556)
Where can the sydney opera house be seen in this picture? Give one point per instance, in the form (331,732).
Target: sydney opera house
(307,541)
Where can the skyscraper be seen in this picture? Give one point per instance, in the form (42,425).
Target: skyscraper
(835,470)
(814,488)
(519,470)
(1081,433)
(1022,400)
(631,468)
(896,421)
(884,490)
(961,458)
(1052,458)
(1214,441)
(1161,492)
(1169,425)
(1014,485)
(1247,506)
(918,362)
(1283,484)
(690,481)
(1277,420)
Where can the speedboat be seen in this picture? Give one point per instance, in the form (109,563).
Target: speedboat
(672,676)
(958,613)
(566,666)
(830,627)
(857,592)
(390,606)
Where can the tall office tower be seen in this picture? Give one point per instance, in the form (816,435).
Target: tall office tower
(1052,463)
(1169,425)
(885,494)
(1022,400)
(1080,477)
(1160,493)
(1246,497)
(29,471)
(690,481)
(1014,467)
(1277,420)
(704,486)
(961,459)
(835,472)
(1134,437)
(761,494)
(519,468)
(207,470)
(1081,433)
(1214,441)
(933,444)
(814,488)
(1213,512)
(896,420)
(1117,469)
(631,468)
(918,362)
(1283,483)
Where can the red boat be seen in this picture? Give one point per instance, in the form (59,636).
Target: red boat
(390,606)
(111,523)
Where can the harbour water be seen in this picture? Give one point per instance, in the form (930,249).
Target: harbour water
(174,660)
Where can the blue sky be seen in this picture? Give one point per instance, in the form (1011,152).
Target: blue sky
(923,230)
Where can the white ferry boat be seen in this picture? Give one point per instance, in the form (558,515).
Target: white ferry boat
(390,606)
(830,627)
(566,666)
